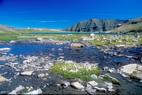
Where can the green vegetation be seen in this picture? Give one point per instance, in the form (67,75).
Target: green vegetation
(7,34)
(111,40)
(74,70)
(82,71)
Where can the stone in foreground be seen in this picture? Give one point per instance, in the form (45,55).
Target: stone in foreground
(134,70)
(77,85)
(39,39)
(2,79)
(93,83)
(17,89)
(5,49)
(27,73)
(34,92)
(77,45)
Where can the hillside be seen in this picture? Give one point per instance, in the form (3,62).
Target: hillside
(96,25)
(6,29)
(131,27)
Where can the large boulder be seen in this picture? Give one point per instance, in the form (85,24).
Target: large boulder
(133,70)
(2,79)
(77,45)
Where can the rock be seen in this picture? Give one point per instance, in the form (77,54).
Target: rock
(138,75)
(120,45)
(124,75)
(39,39)
(77,85)
(2,79)
(41,75)
(100,89)
(109,78)
(65,84)
(133,70)
(27,73)
(48,66)
(77,45)
(105,68)
(109,86)
(94,76)
(2,54)
(38,91)
(5,49)
(90,90)
(93,83)
(17,89)
(112,70)
(129,69)
(92,35)
(12,42)
(134,40)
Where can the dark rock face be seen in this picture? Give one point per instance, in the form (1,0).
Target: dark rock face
(96,25)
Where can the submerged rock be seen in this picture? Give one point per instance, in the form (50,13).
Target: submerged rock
(41,75)
(17,89)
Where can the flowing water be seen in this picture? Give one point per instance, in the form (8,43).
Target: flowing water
(91,54)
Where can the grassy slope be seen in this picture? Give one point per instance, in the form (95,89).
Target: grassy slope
(128,29)
(133,26)
(6,35)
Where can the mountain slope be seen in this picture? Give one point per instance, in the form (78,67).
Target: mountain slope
(132,26)
(96,25)
(5,29)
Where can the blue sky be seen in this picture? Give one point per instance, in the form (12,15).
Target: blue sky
(60,14)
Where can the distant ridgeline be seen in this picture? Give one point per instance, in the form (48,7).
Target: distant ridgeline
(105,25)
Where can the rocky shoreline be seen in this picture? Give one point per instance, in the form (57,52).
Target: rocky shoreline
(32,74)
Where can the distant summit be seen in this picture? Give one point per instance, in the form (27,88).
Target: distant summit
(96,25)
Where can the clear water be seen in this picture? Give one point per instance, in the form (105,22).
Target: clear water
(89,54)
(79,33)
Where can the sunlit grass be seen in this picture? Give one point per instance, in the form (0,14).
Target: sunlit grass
(74,70)
(100,40)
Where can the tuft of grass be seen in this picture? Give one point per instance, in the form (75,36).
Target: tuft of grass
(74,70)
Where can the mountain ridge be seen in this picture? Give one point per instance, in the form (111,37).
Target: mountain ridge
(96,25)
